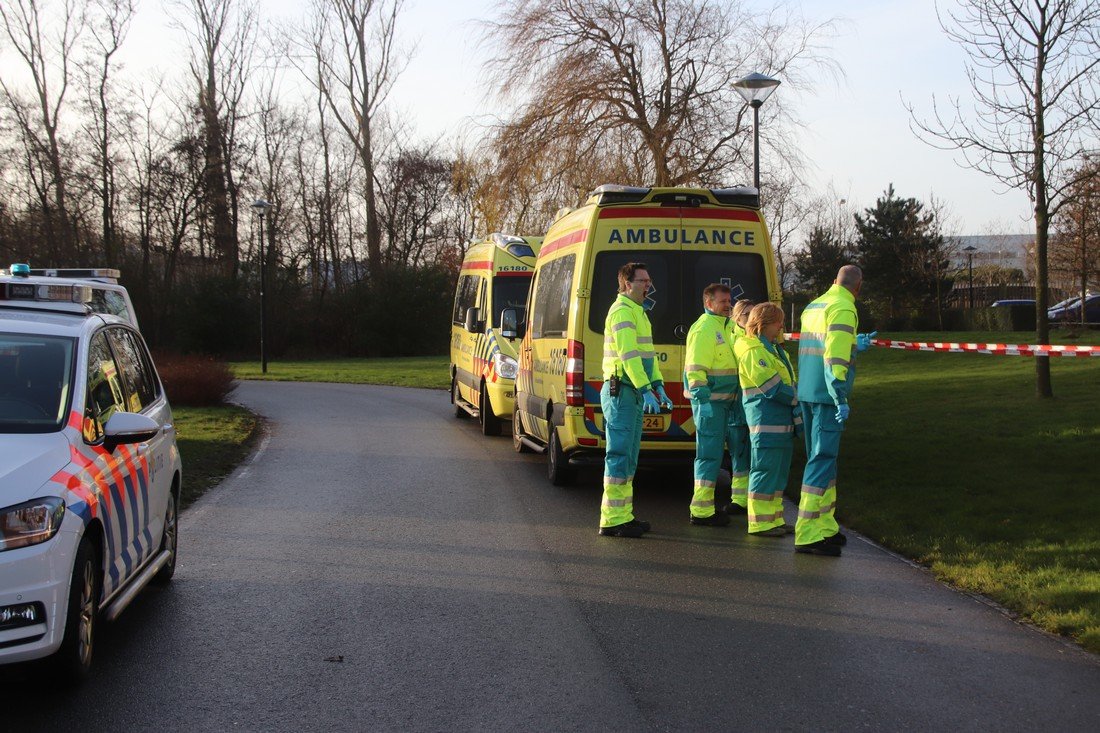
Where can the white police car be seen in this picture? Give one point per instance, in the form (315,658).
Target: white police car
(89,470)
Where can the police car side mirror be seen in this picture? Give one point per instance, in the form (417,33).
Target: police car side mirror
(126,428)
(510,325)
(473,320)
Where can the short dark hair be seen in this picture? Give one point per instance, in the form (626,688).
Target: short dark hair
(713,289)
(627,271)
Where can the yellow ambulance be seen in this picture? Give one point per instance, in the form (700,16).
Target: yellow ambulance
(687,238)
(495,275)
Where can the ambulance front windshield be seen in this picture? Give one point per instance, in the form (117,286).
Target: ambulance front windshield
(35,380)
(510,292)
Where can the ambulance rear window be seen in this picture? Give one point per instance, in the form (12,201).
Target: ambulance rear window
(676,297)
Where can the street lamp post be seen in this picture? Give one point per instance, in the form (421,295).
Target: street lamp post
(754,89)
(970,250)
(261,206)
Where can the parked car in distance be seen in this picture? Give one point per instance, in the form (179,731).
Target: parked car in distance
(1071,312)
(1013,301)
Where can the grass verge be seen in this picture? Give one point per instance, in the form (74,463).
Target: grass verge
(212,442)
(417,371)
(952,460)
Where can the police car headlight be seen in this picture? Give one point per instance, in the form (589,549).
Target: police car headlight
(505,366)
(31,522)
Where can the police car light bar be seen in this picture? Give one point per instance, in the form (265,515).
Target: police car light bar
(28,291)
(108,274)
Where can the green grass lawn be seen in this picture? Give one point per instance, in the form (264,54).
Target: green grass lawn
(212,442)
(952,460)
(417,371)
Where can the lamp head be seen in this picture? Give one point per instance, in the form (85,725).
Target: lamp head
(260,206)
(755,88)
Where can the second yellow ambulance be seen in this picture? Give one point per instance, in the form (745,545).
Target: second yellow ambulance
(687,238)
(495,275)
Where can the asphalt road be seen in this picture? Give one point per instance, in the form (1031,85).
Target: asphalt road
(379,565)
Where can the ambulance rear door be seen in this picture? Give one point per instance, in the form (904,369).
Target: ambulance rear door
(649,233)
(728,246)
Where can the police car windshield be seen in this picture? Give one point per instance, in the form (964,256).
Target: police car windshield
(510,291)
(35,382)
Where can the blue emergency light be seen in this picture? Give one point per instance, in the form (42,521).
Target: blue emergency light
(20,269)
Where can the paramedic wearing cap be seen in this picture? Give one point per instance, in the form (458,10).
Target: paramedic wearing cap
(768,393)
(738,433)
(710,382)
(632,385)
(826,353)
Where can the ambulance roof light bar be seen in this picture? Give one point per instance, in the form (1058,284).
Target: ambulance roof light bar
(513,245)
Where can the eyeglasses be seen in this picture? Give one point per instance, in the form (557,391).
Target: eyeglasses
(641,280)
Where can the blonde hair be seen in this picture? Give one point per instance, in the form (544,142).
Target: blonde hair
(740,308)
(761,315)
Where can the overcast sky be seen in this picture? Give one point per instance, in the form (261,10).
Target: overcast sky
(857,138)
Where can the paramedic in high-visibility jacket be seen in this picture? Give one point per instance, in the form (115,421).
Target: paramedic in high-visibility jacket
(768,392)
(632,386)
(826,362)
(710,383)
(740,451)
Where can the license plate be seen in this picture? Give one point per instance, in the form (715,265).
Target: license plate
(654,423)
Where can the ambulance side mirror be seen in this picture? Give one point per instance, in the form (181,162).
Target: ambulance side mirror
(473,320)
(511,327)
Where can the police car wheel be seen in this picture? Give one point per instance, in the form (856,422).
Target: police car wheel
(490,423)
(170,540)
(557,464)
(455,399)
(517,433)
(73,660)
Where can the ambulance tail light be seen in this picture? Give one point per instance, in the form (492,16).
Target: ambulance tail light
(574,374)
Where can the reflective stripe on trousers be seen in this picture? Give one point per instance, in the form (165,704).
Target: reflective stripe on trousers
(623,428)
(710,444)
(767,479)
(816,519)
(740,460)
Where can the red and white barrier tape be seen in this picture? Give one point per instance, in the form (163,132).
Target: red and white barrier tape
(996,349)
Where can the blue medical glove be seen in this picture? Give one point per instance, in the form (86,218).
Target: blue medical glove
(666,403)
(863,341)
(842,412)
(706,411)
(650,405)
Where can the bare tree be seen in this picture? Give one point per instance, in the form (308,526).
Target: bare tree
(222,35)
(353,60)
(1075,245)
(108,26)
(45,40)
(1034,72)
(786,210)
(649,81)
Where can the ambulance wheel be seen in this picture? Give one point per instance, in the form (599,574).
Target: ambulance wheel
(490,423)
(557,463)
(517,433)
(169,540)
(455,400)
(73,660)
